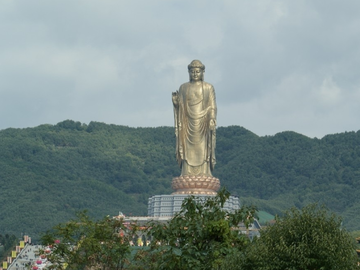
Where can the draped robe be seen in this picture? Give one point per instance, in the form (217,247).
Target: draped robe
(195,141)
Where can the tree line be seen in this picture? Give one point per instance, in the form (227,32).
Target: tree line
(49,172)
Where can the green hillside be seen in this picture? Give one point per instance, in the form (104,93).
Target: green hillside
(49,172)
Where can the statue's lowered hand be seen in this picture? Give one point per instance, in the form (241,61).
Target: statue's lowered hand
(212,124)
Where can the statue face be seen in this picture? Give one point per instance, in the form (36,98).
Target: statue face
(196,74)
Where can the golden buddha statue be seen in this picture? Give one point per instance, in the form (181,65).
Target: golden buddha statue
(195,129)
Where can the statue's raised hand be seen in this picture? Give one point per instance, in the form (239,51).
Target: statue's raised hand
(175,98)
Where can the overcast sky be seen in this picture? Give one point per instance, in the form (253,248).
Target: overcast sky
(276,65)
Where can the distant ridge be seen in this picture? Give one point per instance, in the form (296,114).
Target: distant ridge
(49,172)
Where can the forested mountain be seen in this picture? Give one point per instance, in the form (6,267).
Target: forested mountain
(49,172)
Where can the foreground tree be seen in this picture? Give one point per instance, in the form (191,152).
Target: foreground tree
(200,236)
(311,238)
(86,244)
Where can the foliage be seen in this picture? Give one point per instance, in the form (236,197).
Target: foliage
(49,172)
(311,238)
(203,236)
(84,244)
(289,169)
(199,236)
(7,243)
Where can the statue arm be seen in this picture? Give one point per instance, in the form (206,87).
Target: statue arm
(177,123)
(213,109)
(175,100)
(212,126)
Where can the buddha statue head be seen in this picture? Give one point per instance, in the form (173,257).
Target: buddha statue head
(196,71)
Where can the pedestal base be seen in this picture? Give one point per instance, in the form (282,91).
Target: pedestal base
(206,185)
(168,205)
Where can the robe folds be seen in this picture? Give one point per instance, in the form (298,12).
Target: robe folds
(195,140)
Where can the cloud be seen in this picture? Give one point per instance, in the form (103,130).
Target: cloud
(329,93)
(276,65)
